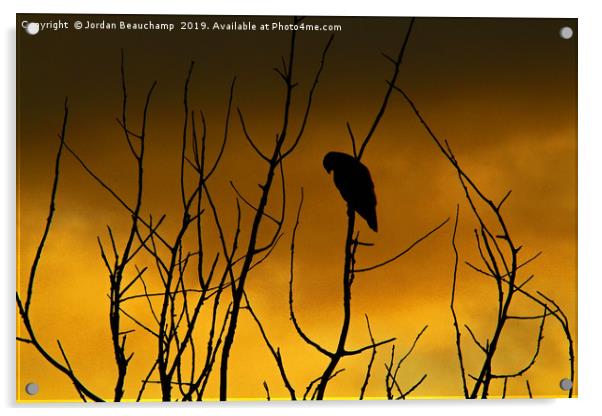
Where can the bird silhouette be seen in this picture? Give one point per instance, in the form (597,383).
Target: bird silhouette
(353,181)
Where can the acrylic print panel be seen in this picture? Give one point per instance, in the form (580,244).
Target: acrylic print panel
(280,208)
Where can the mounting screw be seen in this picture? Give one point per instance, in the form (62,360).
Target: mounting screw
(566,32)
(32,389)
(566,384)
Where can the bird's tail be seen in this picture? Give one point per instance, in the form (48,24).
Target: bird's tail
(372,223)
(370,217)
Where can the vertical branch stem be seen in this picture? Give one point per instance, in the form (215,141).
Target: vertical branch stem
(347,282)
(24,306)
(349,242)
(453,310)
(51,210)
(116,275)
(274,162)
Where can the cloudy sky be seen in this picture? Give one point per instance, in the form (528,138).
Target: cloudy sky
(502,92)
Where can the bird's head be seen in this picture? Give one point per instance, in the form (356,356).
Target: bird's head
(329,161)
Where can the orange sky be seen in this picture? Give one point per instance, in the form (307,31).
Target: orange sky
(501,91)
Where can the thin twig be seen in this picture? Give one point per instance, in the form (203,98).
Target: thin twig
(372,356)
(411,389)
(317,379)
(246,201)
(275,352)
(249,139)
(535,354)
(51,211)
(290,292)
(226,126)
(309,99)
(474,338)
(406,250)
(391,82)
(452,307)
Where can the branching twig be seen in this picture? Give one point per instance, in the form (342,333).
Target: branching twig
(351,243)
(369,368)
(535,354)
(290,292)
(381,111)
(453,310)
(406,250)
(275,352)
(493,256)
(274,162)
(391,375)
(23,306)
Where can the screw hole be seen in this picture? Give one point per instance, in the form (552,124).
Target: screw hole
(32,28)
(566,32)
(566,384)
(32,389)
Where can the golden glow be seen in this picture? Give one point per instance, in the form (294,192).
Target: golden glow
(502,92)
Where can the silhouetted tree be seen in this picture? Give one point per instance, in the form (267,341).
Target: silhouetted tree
(499,254)
(24,304)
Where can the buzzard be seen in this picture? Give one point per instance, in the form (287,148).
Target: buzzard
(353,181)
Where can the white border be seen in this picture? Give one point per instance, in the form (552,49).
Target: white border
(590,207)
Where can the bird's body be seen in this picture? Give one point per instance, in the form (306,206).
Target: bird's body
(354,182)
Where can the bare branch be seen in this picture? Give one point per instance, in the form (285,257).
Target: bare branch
(388,58)
(527,280)
(123,121)
(504,199)
(51,210)
(185,133)
(267,390)
(532,317)
(391,376)
(369,368)
(367,347)
(79,392)
(309,99)
(272,246)
(275,352)
(352,137)
(246,201)
(111,191)
(453,310)
(406,250)
(535,354)
(65,370)
(279,72)
(493,254)
(140,324)
(402,359)
(556,313)
(317,379)
(23,307)
(474,338)
(246,134)
(411,389)
(290,292)
(134,280)
(226,125)
(393,79)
